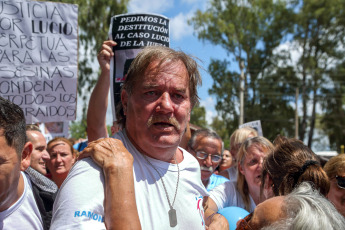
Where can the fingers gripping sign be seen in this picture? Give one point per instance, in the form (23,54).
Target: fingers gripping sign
(105,54)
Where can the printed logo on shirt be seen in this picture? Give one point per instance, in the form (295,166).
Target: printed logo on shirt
(200,209)
(90,215)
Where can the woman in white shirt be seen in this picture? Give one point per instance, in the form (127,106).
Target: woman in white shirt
(245,192)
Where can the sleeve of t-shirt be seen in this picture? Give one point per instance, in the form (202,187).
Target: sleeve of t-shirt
(79,202)
(223,194)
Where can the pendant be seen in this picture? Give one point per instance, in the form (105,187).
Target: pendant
(172,217)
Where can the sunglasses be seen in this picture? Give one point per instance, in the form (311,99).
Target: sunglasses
(244,223)
(340,181)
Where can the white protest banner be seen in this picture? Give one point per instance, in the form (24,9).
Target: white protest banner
(132,32)
(255,125)
(39,58)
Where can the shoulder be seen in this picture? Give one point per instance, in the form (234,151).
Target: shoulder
(224,189)
(80,198)
(85,176)
(188,158)
(83,170)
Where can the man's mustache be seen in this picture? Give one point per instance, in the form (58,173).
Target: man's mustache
(204,168)
(156,119)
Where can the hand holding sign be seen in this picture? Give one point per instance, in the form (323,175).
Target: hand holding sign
(105,54)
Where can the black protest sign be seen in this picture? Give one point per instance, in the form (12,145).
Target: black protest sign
(39,58)
(132,32)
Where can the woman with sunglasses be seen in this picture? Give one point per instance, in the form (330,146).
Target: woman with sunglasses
(245,192)
(291,163)
(335,169)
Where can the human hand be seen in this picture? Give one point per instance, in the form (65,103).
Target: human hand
(108,153)
(218,222)
(105,54)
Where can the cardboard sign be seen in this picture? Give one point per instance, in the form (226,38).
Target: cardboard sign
(39,58)
(255,125)
(132,32)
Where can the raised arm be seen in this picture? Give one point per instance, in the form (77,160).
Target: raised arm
(117,163)
(98,104)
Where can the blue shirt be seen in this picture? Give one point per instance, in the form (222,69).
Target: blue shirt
(215,180)
(80,146)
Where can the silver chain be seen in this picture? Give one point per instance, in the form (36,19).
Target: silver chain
(165,189)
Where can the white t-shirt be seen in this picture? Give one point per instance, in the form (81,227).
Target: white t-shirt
(24,213)
(79,203)
(227,195)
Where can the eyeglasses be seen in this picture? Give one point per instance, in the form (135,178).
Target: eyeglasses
(244,223)
(340,181)
(202,156)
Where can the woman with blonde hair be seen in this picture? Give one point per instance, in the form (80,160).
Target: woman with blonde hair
(62,157)
(245,192)
(236,139)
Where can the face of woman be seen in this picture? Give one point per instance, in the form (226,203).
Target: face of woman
(252,167)
(227,159)
(337,196)
(61,158)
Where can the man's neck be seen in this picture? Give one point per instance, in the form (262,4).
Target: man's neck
(162,154)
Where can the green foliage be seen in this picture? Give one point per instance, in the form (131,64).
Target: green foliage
(333,121)
(77,129)
(221,127)
(198,116)
(109,129)
(251,31)
(319,31)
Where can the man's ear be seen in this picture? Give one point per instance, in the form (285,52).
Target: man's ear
(26,156)
(124,100)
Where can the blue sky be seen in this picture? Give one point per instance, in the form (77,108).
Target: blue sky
(182,37)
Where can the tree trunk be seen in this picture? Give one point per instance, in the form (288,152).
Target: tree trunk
(312,119)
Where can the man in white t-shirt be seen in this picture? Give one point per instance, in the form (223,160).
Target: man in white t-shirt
(18,209)
(157,97)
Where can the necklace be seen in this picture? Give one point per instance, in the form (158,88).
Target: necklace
(172,211)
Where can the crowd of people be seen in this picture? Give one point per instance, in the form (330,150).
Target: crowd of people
(154,173)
